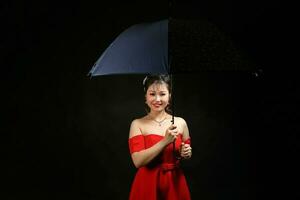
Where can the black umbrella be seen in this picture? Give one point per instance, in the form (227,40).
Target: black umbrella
(150,48)
(170,47)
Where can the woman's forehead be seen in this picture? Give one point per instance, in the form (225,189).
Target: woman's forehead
(158,87)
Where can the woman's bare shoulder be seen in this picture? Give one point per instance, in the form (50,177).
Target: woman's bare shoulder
(136,126)
(180,120)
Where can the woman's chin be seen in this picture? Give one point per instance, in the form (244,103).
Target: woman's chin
(158,109)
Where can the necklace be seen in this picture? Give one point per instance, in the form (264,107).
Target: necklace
(159,122)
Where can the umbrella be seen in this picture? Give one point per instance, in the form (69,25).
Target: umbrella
(149,48)
(192,45)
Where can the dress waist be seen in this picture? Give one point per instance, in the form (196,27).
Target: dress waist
(169,166)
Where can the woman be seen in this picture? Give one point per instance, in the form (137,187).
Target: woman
(151,137)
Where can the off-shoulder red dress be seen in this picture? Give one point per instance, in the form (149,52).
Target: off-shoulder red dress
(162,178)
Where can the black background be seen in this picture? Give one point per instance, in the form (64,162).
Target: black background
(65,135)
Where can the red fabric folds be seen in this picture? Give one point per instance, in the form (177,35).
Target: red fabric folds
(188,141)
(136,143)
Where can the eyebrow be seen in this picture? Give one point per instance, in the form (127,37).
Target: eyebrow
(159,91)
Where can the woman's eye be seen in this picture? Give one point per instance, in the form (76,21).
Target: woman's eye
(153,94)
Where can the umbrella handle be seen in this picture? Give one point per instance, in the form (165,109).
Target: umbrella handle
(174,150)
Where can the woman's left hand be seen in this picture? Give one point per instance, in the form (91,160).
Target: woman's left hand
(186,151)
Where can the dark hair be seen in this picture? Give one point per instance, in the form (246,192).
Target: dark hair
(162,78)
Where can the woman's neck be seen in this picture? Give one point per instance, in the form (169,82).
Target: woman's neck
(158,115)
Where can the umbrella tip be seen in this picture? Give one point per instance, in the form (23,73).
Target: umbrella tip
(90,75)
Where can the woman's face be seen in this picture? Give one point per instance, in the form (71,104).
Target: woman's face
(157,96)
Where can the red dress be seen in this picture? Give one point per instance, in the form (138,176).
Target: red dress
(162,178)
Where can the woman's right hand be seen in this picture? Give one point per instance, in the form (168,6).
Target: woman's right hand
(171,134)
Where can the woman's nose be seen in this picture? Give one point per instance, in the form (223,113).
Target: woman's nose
(157,98)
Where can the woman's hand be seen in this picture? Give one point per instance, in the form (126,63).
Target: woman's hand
(171,134)
(185,151)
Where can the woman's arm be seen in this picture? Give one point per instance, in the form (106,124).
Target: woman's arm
(186,149)
(186,133)
(143,157)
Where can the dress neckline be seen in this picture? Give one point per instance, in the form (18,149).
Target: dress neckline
(151,134)
(158,135)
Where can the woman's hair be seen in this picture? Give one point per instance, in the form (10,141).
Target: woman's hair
(158,79)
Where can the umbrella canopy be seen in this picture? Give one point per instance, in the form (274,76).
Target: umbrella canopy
(191,45)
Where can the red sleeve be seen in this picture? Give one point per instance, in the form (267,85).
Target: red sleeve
(188,141)
(136,143)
